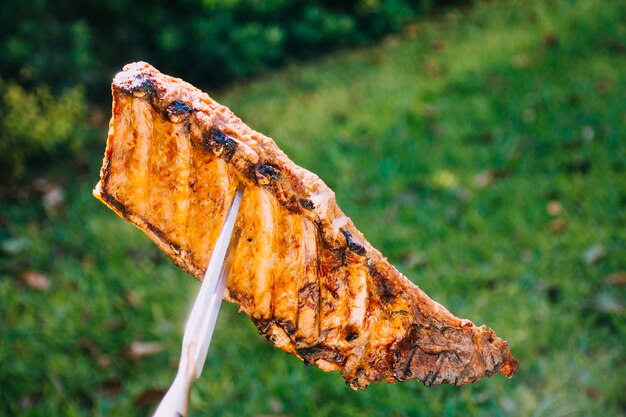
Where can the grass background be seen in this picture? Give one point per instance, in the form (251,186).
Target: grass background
(483,151)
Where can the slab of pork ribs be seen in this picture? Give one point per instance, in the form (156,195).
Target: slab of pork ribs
(303,273)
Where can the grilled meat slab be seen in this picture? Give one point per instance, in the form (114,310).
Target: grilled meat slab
(304,274)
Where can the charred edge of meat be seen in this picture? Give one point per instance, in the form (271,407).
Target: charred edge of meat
(352,245)
(331,285)
(398,313)
(385,288)
(161,236)
(117,205)
(218,143)
(121,208)
(177,110)
(307,204)
(264,326)
(313,353)
(291,204)
(510,365)
(240,297)
(288,326)
(354,383)
(459,375)
(429,379)
(405,370)
(105,171)
(404,353)
(249,172)
(140,87)
(332,245)
(266,173)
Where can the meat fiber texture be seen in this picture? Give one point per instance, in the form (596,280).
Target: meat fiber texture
(304,274)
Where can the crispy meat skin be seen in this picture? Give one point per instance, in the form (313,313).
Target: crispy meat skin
(305,275)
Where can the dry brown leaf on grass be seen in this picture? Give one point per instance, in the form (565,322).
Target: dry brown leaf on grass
(554,208)
(557,226)
(139,349)
(483,179)
(36,280)
(148,397)
(617,279)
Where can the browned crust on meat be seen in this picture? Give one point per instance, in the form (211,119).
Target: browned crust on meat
(347,309)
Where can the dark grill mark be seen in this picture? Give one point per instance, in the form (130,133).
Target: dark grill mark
(125,212)
(264,326)
(217,142)
(352,245)
(351,333)
(430,379)
(161,236)
(241,297)
(351,336)
(407,373)
(140,87)
(291,204)
(269,171)
(307,204)
(288,326)
(385,288)
(309,293)
(112,201)
(176,110)
(404,353)
(315,352)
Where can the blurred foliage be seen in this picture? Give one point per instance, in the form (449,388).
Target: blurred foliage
(36,126)
(207,42)
(50,47)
